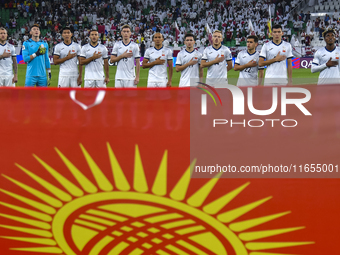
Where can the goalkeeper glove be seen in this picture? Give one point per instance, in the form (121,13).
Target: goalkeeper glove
(41,50)
(49,78)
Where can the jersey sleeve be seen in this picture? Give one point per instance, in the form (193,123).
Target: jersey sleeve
(13,54)
(237,61)
(227,55)
(78,50)
(263,53)
(25,52)
(56,50)
(105,53)
(289,52)
(199,58)
(47,58)
(316,60)
(260,67)
(169,57)
(179,59)
(316,67)
(136,52)
(83,52)
(147,54)
(205,57)
(115,50)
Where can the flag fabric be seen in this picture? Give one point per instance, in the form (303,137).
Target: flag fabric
(209,33)
(269,23)
(251,27)
(108,172)
(177,31)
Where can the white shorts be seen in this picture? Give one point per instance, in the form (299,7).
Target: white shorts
(6,81)
(67,82)
(119,83)
(160,84)
(94,84)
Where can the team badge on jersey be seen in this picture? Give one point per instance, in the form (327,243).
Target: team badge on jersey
(73,50)
(336,55)
(283,49)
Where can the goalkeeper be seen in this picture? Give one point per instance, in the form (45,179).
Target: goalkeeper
(35,54)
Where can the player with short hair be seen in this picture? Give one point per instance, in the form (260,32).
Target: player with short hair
(188,62)
(35,54)
(66,55)
(215,58)
(326,60)
(247,63)
(93,56)
(126,52)
(8,61)
(157,59)
(276,52)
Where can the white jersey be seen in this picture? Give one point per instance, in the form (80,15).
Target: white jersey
(94,69)
(69,67)
(330,74)
(276,73)
(126,66)
(248,76)
(183,58)
(217,70)
(158,73)
(6,64)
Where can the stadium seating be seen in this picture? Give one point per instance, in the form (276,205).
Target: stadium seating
(148,10)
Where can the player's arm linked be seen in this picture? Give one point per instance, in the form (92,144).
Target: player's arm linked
(106,67)
(5,55)
(85,61)
(250,64)
(126,54)
(137,71)
(183,67)
(57,60)
(15,68)
(147,64)
(318,68)
(80,70)
(217,60)
(267,62)
(170,68)
(41,51)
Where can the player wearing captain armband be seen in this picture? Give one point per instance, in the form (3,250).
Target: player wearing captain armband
(158,59)
(66,54)
(217,58)
(8,61)
(188,62)
(126,52)
(35,54)
(326,60)
(94,56)
(247,63)
(274,55)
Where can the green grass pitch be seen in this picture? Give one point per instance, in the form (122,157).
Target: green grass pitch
(300,76)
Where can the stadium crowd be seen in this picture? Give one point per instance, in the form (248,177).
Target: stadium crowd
(148,16)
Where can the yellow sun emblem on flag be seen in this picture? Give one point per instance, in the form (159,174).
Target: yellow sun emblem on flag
(117,217)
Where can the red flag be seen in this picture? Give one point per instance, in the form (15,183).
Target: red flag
(108,173)
(208,30)
(177,31)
